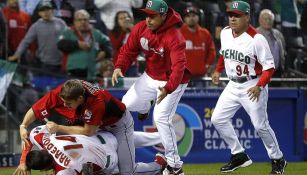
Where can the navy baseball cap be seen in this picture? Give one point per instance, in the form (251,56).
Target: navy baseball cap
(239,7)
(154,7)
(191,9)
(45,4)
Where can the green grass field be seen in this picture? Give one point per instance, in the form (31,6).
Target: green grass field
(213,169)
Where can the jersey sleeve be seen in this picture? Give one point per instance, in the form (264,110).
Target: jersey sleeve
(129,51)
(178,60)
(43,106)
(263,53)
(220,64)
(35,138)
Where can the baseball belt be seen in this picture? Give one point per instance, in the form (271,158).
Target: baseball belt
(242,79)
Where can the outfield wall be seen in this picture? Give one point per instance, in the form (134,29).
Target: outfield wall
(200,143)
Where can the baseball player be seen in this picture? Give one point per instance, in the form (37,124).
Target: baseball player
(96,108)
(249,65)
(165,77)
(76,150)
(70,152)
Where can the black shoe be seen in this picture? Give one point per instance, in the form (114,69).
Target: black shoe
(278,166)
(143,117)
(87,169)
(174,171)
(237,161)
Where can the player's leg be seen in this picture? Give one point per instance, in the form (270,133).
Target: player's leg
(140,94)
(227,105)
(143,139)
(259,117)
(123,131)
(163,116)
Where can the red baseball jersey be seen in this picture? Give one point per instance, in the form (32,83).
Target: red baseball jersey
(100,108)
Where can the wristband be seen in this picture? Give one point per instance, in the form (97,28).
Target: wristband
(23,126)
(260,88)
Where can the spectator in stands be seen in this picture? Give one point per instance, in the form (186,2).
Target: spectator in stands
(200,48)
(62,9)
(119,35)
(304,23)
(275,39)
(290,12)
(85,46)
(26,99)
(108,9)
(18,23)
(222,20)
(28,6)
(46,32)
(3,38)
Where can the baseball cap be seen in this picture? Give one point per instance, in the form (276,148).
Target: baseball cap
(191,9)
(239,7)
(45,4)
(155,7)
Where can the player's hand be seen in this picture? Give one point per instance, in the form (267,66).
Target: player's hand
(116,73)
(162,94)
(24,137)
(216,77)
(52,127)
(22,170)
(254,93)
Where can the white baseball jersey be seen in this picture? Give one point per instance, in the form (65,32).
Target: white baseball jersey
(71,151)
(240,53)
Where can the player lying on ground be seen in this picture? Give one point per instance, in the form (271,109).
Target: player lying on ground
(66,154)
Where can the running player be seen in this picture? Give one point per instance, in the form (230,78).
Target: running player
(249,66)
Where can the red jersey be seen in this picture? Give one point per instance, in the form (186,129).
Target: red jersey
(200,50)
(18,23)
(164,51)
(100,108)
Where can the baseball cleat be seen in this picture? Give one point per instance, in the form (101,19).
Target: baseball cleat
(237,161)
(173,171)
(278,166)
(161,160)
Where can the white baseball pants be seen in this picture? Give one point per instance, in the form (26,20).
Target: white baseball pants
(138,98)
(232,98)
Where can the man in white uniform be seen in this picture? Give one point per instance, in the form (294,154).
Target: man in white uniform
(71,152)
(249,65)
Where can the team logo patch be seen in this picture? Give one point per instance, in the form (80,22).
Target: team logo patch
(87,115)
(144,43)
(149,4)
(44,112)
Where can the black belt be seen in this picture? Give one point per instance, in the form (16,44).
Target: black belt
(242,79)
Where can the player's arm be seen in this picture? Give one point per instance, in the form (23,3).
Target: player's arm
(218,70)
(178,61)
(87,129)
(27,120)
(22,168)
(127,54)
(265,58)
